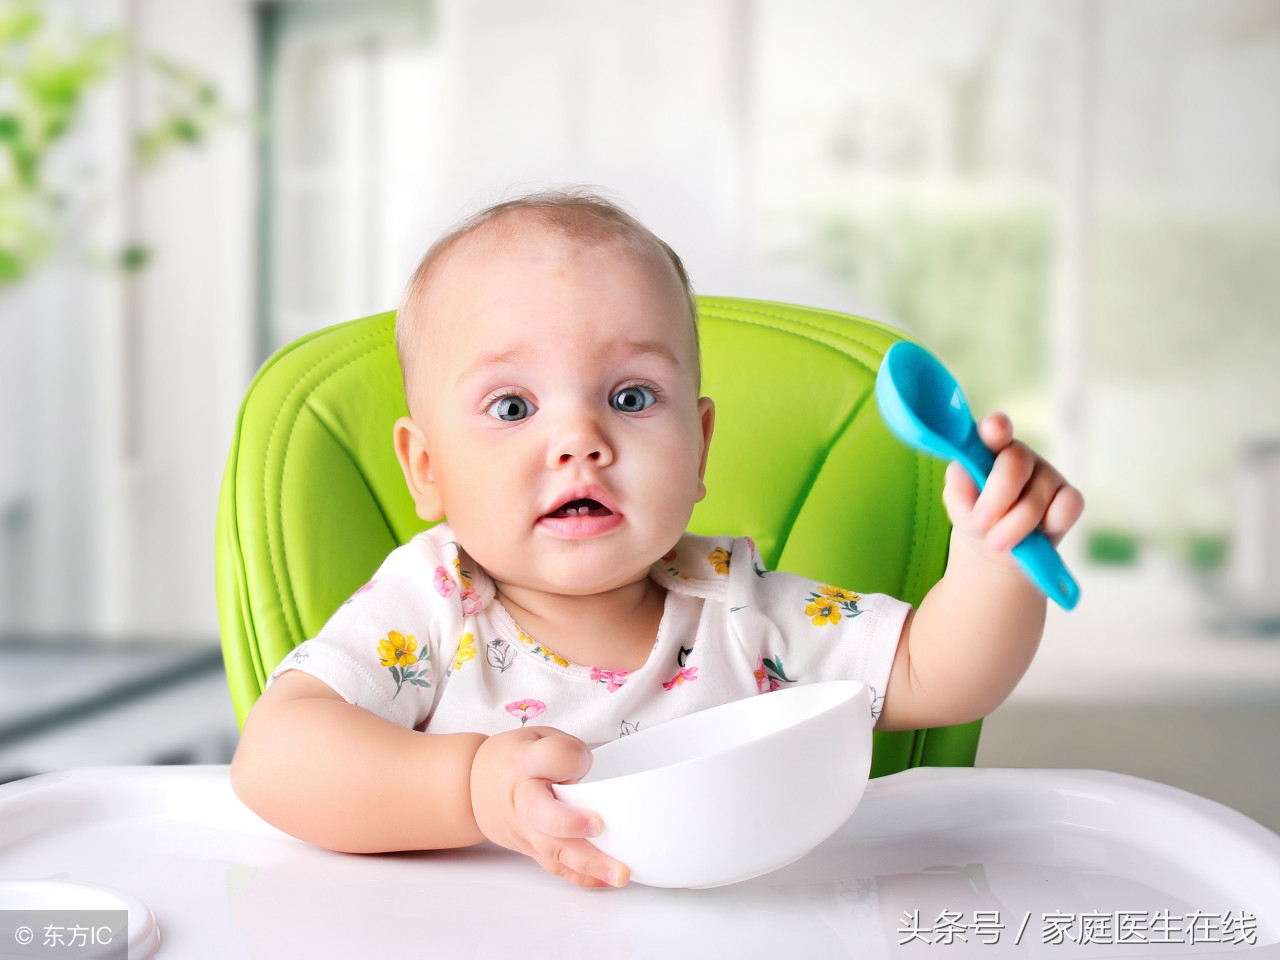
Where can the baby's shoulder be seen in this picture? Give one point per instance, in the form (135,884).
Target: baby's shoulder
(430,571)
(696,558)
(698,563)
(700,558)
(723,568)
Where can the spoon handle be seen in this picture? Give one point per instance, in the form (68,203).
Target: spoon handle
(1043,564)
(1035,554)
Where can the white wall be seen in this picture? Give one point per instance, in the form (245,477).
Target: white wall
(120,391)
(732,127)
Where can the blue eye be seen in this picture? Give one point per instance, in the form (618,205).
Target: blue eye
(633,399)
(511,408)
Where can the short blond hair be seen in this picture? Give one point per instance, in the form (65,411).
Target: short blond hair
(579,214)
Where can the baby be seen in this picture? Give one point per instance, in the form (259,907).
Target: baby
(550,355)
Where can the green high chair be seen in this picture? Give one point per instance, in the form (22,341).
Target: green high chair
(313,499)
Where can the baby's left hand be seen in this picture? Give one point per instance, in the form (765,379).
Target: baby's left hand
(1024,491)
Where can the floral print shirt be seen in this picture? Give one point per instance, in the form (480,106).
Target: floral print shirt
(427,645)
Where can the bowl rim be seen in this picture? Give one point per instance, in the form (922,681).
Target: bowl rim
(855,688)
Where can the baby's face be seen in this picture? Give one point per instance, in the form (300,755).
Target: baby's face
(563,431)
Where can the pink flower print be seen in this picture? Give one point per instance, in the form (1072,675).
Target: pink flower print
(444,583)
(688,674)
(668,559)
(762,678)
(365,589)
(526,710)
(769,674)
(471,603)
(755,563)
(613,679)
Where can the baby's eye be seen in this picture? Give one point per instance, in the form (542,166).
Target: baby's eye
(633,399)
(511,408)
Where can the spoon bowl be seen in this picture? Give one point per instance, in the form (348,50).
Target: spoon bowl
(923,405)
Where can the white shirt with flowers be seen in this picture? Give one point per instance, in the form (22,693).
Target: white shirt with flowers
(427,645)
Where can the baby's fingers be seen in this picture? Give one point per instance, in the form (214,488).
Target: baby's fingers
(579,862)
(1064,510)
(996,431)
(555,756)
(1009,481)
(1028,512)
(557,835)
(540,811)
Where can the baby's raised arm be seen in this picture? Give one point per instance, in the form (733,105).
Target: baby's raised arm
(975,633)
(334,774)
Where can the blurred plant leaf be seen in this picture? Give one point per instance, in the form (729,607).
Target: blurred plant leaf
(191,111)
(19,19)
(972,285)
(134,257)
(47,67)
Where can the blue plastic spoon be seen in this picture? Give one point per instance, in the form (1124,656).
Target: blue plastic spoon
(924,406)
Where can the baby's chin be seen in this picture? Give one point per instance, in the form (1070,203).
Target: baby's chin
(572,583)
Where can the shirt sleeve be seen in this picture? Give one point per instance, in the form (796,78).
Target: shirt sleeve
(802,631)
(381,650)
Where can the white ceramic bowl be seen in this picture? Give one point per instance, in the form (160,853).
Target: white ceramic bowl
(733,792)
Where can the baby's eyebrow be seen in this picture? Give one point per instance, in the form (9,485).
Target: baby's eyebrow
(632,348)
(495,359)
(658,348)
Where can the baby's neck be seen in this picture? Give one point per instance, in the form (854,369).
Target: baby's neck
(614,630)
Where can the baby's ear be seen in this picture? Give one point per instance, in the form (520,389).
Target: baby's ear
(415,461)
(707,420)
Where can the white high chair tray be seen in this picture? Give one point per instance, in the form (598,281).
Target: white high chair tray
(948,853)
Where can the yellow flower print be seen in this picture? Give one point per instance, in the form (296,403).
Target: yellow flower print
(719,559)
(828,604)
(550,657)
(539,649)
(838,594)
(397,650)
(822,612)
(463,578)
(398,654)
(466,650)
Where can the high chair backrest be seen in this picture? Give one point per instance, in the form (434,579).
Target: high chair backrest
(313,499)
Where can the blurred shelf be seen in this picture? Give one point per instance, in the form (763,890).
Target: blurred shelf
(70,703)
(1149,634)
(1140,679)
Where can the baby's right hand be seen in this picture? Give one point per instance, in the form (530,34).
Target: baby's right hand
(514,807)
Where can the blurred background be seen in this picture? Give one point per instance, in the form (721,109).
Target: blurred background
(1076,203)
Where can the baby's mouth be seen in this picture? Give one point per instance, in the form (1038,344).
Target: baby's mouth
(581,508)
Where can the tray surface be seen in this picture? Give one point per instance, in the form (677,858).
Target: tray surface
(934,862)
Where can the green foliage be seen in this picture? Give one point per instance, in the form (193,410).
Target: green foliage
(1176,294)
(190,112)
(1207,552)
(45,71)
(973,286)
(47,67)
(1115,548)
(134,257)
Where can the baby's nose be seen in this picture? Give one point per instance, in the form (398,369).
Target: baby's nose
(583,441)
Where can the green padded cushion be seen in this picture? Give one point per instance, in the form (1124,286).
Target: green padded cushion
(313,499)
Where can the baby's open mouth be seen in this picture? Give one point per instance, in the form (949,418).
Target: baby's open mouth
(581,508)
